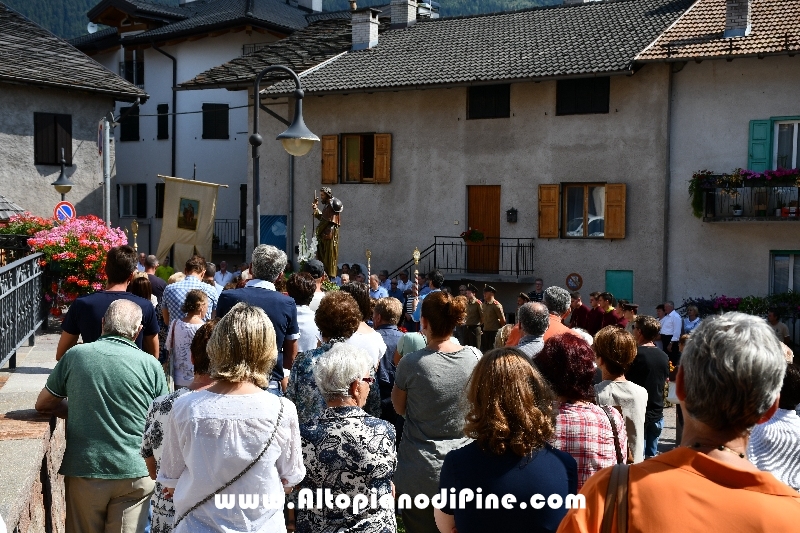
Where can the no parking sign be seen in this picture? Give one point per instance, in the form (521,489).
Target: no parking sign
(64,211)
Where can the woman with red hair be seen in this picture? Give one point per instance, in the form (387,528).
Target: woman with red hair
(595,437)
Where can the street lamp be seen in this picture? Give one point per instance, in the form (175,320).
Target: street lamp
(63,183)
(297,140)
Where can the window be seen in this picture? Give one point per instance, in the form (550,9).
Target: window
(365,158)
(163,121)
(489,101)
(774,143)
(160,200)
(215,121)
(787,145)
(132,200)
(784,271)
(129,124)
(582,96)
(587,210)
(51,133)
(132,69)
(584,207)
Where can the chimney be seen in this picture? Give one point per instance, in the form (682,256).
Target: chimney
(403,13)
(311,5)
(365,28)
(737,18)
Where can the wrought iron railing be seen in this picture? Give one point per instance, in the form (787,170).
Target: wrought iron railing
(255,47)
(493,255)
(759,202)
(21,309)
(133,71)
(227,234)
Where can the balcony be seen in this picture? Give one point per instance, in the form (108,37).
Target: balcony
(755,201)
(255,47)
(133,71)
(227,236)
(493,259)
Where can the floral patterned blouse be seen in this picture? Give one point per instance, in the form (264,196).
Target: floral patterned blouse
(349,452)
(152,444)
(302,389)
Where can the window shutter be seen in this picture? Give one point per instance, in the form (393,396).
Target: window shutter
(44,136)
(129,125)
(162,121)
(160,200)
(330,159)
(615,211)
(759,153)
(141,200)
(383,158)
(64,137)
(548,211)
(222,121)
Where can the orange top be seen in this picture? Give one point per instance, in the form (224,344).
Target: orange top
(556,328)
(685,490)
(514,335)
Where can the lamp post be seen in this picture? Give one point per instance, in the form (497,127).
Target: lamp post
(63,183)
(297,140)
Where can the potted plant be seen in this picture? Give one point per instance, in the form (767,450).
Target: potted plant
(215,241)
(737,210)
(472,235)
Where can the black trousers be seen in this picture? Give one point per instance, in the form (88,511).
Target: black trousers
(673,354)
(487,340)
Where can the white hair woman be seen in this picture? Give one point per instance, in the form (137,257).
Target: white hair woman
(233,437)
(346,450)
(728,382)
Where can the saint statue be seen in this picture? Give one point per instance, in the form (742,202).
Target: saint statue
(328,230)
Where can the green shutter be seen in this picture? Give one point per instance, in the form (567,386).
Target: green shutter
(759,156)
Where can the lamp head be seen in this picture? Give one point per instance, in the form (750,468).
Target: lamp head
(63,184)
(298,140)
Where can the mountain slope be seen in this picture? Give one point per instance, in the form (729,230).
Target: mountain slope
(67,18)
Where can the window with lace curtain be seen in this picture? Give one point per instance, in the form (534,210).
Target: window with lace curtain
(784,271)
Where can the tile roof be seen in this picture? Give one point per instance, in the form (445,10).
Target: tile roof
(556,41)
(698,34)
(218,14)
(31,55)
(98,40)
(324,38)
(8,208)
(145,9)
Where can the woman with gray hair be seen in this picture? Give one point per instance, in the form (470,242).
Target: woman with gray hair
(346,450)
(728,382)
(233,438)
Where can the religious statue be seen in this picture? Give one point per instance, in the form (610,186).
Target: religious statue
(328,230)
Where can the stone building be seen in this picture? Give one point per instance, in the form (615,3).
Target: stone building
(53,96)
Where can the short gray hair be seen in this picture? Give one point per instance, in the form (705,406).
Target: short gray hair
(534,318)
(151,261)
(733,370)
(122,318)
(557,300)
(268,262)
(338,368)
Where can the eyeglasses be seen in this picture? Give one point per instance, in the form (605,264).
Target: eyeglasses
(368,380)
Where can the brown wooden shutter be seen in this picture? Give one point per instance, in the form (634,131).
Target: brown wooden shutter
(330,159)
(548,211)
(383,158)
(64,137)
(615,211)
(44,138)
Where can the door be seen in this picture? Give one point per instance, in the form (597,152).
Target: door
(483,213)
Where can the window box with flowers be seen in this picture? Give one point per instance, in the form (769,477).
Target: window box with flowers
(472,235)
(745,194)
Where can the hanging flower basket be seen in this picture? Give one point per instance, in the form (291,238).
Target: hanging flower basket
(473,235)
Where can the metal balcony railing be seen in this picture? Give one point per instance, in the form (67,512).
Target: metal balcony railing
(133,71)
(492,256)
(227,235)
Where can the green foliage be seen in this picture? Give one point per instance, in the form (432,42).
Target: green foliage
(67,18)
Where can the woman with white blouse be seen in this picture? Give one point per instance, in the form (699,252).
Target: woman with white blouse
(233,438)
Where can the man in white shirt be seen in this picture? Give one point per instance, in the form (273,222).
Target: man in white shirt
(671,332)
(403,283)
(140,266)
(223,277)
(383,278)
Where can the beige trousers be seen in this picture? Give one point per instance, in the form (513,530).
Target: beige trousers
(107,505)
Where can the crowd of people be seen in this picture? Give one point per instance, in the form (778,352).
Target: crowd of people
(259,401)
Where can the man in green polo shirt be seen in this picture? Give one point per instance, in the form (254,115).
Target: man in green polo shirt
(110,384)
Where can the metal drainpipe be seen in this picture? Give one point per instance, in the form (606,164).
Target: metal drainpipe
(174,103)
(667,181)
(290,218)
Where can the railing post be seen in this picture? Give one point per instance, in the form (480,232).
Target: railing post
(12,362)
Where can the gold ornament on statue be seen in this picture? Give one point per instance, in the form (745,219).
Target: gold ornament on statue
(135,228)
